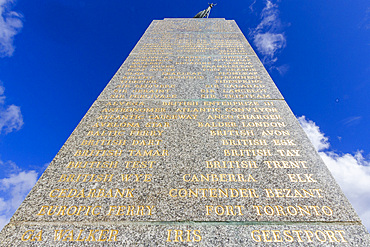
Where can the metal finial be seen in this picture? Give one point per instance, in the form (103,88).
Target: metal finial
(205,13)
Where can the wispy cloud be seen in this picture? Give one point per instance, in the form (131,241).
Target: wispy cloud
(351,120)
(268,36)
(351,171)
(365,23)
(10,25)
(10,115)
(282,69)
(251,6)
(13,189)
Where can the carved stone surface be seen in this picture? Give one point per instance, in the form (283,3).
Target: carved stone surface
(190,143)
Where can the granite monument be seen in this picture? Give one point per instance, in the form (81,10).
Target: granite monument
(190,144)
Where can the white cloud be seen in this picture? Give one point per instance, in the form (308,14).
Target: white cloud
(11,119)
(268,36)
(11,167)
(268,43)
(17,184)
(13,190)
(10,116)
(318,139)
(10,25)
(352,172)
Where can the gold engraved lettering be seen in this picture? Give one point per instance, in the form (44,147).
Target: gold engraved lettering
(157,125)
(218,178)
(86,235)
(247,152)
(153,96)
(213,193)
(244,91)
(120,117)
(146,142)
(259,117)
(301,178)
(231,164)
(30,235)
(91,193)
(285,164)
(138,77)
(237,86)
(171,117)
(250,79)
(153,86)
(69,178)
(283,142)
(207,91)
(217,124)
(233,103)
(289,153)
(120,91)
(246,96)
(92,164)
(106,133)
(133,110)
(103,142)
(263,124)
(208,96)
(125,103)
(240,142)
(303,236)
(254,109)
(275,133)
(116,125)
(220,210)
(148,153)
(146,133)
(139,164)
(136,177)
(294,193)
(138,81)
(69,210)
(174,235)
(141,210)
(231,132)
(181,103)
(98,153)
(214,117)
(150,91)
(198,110)
(298,210)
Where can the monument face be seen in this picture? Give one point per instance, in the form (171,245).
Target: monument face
(191,144)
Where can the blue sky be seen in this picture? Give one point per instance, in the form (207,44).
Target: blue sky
(56,56)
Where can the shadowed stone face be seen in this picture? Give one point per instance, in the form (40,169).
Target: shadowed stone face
(190,143)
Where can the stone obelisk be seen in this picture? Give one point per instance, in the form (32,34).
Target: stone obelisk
(190,143)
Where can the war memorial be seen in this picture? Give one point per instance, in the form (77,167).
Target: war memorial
(190,144)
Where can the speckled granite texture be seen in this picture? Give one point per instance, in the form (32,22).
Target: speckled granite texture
(190,144)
